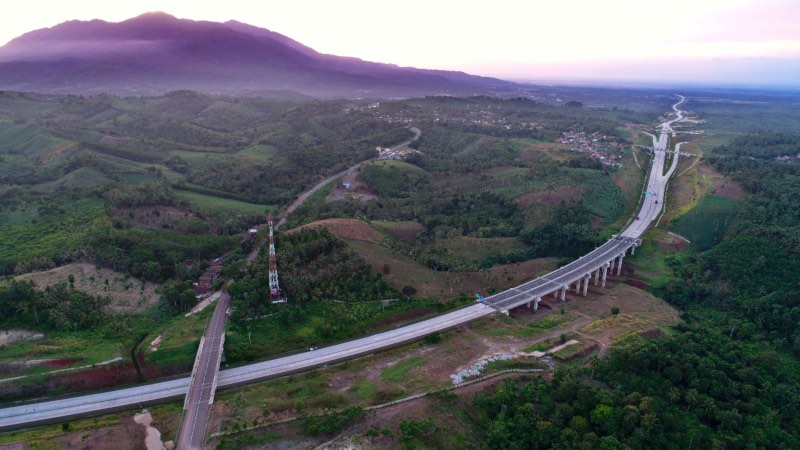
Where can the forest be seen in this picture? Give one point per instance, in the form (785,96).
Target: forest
(752,274)
(698,389)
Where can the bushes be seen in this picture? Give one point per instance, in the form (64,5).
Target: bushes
(333,422)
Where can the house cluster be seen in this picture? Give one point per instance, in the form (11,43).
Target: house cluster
(205,284)
(595,145)
(399,154)
(472,116)
(787,158)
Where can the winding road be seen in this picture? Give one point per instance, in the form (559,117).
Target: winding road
(305,195)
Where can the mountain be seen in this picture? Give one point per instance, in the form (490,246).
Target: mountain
(155,52)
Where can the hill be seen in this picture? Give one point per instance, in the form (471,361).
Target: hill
(155,53)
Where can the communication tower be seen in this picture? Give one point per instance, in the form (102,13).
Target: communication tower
(276,295)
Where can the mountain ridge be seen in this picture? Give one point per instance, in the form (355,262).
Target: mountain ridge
(155,53)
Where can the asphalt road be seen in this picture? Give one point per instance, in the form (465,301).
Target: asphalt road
(197,405)
(127,398)
(304,196)
(133,397)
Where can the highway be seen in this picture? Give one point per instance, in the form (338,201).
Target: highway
(597,263)
(602,259)
(200,394)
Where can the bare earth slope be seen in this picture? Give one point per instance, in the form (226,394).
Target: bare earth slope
(128,294)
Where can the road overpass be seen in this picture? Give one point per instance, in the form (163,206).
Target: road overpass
(596,264)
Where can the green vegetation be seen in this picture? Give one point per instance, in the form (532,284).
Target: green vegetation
(364,389)
(213,204)
(34,436)
(333,422)
(751,274)
(706,224)
(695,388)
(551,321)
(692,390)
(50,236)
(332,293)
(58,307)
(399,371)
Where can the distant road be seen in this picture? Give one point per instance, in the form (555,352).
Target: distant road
(304,196)
(126,398)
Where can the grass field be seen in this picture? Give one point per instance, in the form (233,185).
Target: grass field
(260,151)
(401,166)
(405,231)
(179,338)
(473,250)
(405,271)
(399,371)
(83,177)
(43,437)
(224,205)
(705,224)
(84,348)
(650,260)
(29,139)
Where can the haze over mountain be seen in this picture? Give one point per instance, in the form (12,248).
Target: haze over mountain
(155,52)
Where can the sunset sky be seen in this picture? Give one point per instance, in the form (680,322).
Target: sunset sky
(730,41)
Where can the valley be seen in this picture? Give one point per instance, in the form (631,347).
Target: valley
(473,211)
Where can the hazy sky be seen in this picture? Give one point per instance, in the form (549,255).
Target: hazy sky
(743,41)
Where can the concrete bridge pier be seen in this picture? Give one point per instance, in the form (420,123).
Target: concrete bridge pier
(578,286)
(633,249)
(596,275)
(611,265)
(605,271)
(563,293)
(586,283)
(619,266)
(536,303)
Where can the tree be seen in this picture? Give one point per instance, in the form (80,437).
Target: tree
(409,291)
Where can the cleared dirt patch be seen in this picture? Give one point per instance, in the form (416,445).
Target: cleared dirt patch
(351,188)
(671,243)
(345,229)
(721,185)
(128,294)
